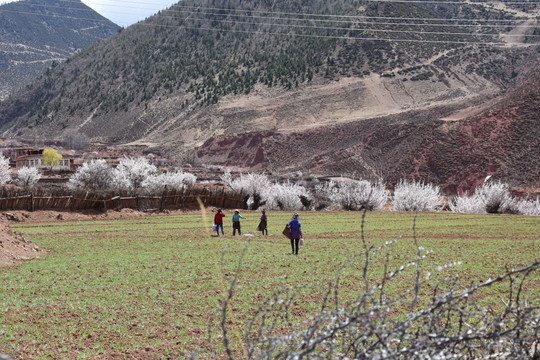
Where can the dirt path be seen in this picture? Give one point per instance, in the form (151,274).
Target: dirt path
(518,34)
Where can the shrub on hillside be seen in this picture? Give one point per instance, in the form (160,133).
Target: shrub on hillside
(416,196)
(28,176)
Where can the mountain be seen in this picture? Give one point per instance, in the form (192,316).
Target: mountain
(37,33)
(502,142)
(325,86)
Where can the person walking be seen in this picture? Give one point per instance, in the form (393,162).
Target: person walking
(263,225)
(218,221)
(236,222)
(296,233)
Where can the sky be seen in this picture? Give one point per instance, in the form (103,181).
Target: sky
(124,12)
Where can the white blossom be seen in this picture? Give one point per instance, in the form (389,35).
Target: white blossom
(491,197)
(354,195)
(416,196)
(473,204)
(94,175)
(131,172)
(28,176)
(529,207)
(285,196)
(5,170)
(495,196)
(249,184)
(171,180)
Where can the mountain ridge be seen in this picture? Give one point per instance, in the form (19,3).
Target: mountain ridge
(198,72)
(37,33)
(502,142)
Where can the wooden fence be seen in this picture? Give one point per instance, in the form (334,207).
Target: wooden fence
(64,200)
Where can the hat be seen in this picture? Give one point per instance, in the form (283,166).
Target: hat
(236,210)
(295,216)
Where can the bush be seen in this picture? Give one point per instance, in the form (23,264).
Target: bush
(130,174)
(28,176)
(416,196)
(491,197)
(250,185)
(468,204)
(354,195)
(495,196)
(95,175)
(259,192)
(5,170)
(286,197)
(529,207)
(171,180)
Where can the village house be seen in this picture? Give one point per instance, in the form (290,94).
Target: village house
(33,157)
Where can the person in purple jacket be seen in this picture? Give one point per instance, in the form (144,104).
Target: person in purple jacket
(296,233)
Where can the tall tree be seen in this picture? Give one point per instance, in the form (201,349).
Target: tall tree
(51,157)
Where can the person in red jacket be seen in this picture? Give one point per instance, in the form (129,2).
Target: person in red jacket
(218,221)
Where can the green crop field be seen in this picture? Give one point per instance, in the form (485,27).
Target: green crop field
(149,287)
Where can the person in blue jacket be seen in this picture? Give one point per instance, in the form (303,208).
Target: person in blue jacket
(236,222)
(296,233)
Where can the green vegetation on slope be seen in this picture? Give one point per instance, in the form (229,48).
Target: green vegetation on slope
(202,51)
(37,33)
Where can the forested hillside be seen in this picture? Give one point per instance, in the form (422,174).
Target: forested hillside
(203,69)
(37,33)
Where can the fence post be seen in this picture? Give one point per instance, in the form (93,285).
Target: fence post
(161,203)
(31,202)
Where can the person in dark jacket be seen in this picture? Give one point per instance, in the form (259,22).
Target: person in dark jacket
(296,233)
(263,225)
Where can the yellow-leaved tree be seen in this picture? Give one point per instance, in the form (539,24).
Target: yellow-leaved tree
(51,157)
